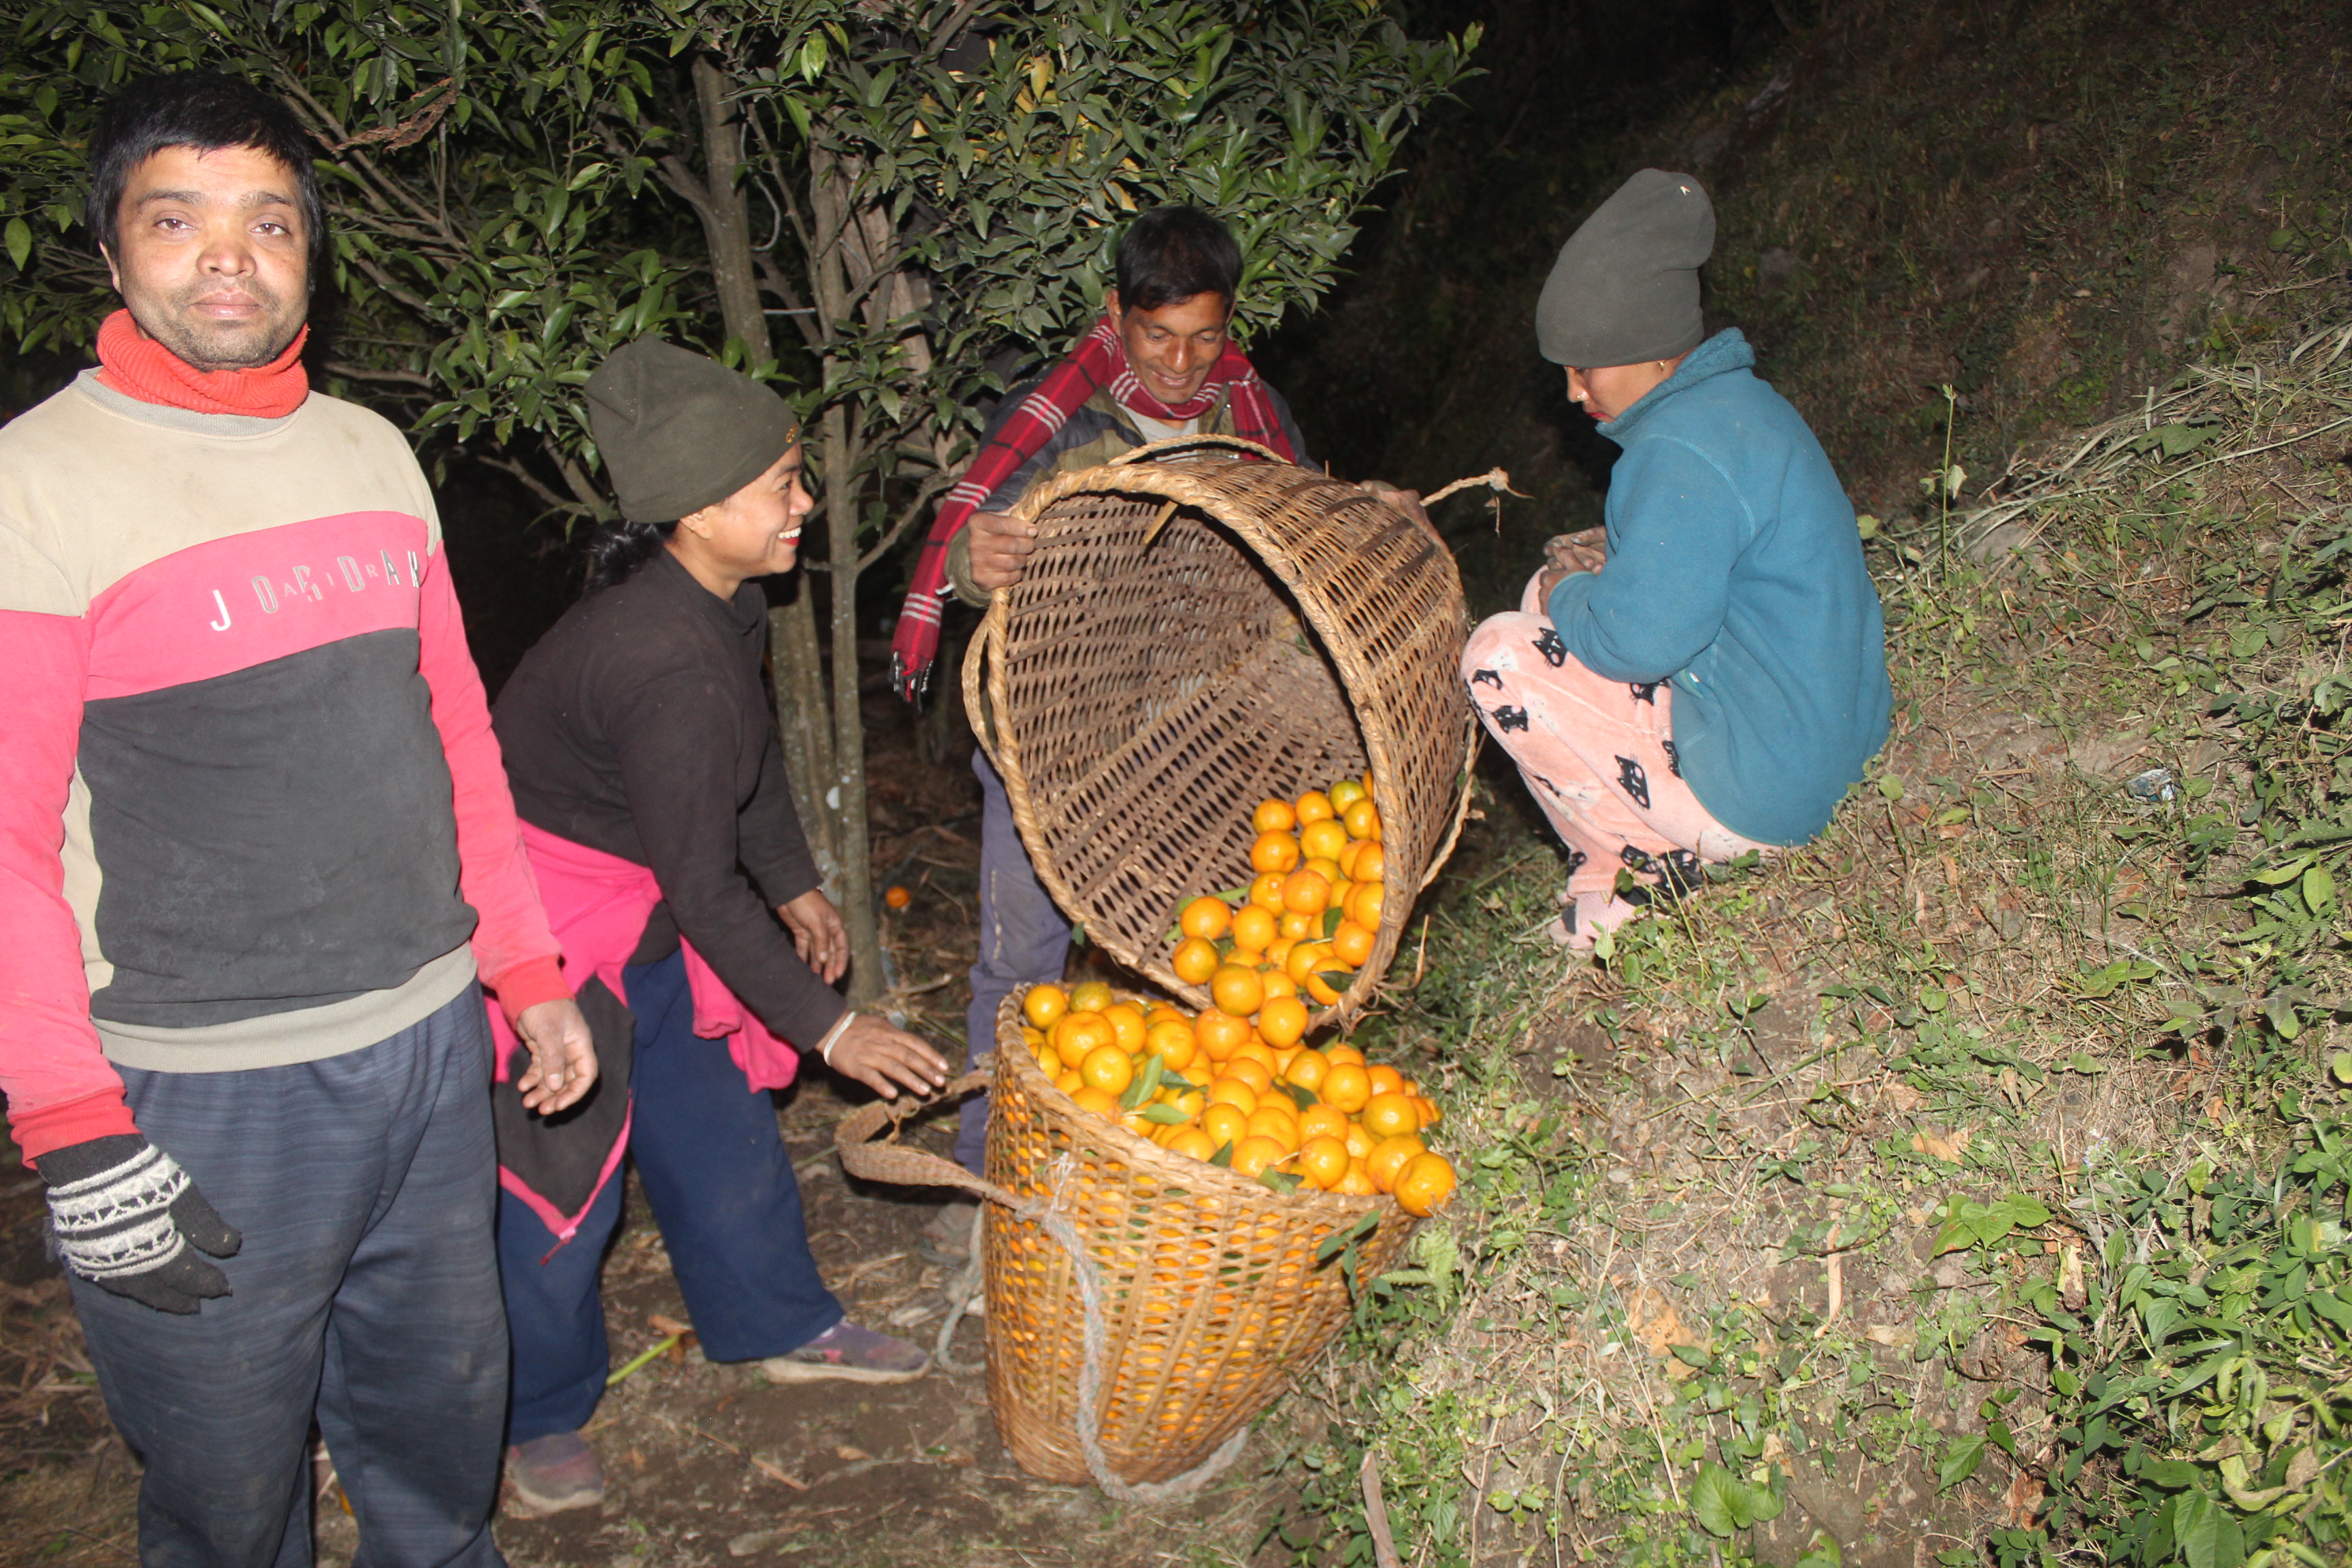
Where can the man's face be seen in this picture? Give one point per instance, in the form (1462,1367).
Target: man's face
(211,257)
(1172,349)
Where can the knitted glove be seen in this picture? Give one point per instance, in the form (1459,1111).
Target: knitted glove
(124,1217)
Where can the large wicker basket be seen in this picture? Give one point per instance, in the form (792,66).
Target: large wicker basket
(1211,1293)
(1196,631)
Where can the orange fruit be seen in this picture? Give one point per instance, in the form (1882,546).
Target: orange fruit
(1237,1093)
(1385,1078)
(1253,1156)
(1261,1053)
(1109,1069)
(1273,852)
(1281,1021)
(1306,893)
(1090,996)
(1254,927)
(1255,1073)
(898,898)
(1425,1185)
(1388,1156)
(1205,917)
(1349,856)
(1142,1126)
(1347,792)
(1274,816)
(1364,906)
(1044,1005)
(1322,840)
(1357,1182)
(1223,1123)
(1323,1161)
(1191,1103)
(1329,871)
(1174,1042)
(1342,1051)
(1191,1143)
(1390,1116)
(1219,1033)
(1100,1102)
(1322,990)
(1265,891)
(1315,806)
(1127,1026)
(1359,1142)
(1194,960)
(1278,951)
(1363,821)
(1322,1121)
(1304,959)
(1308,1069)
(1266,1121)
(1371,863)
(1351,944)
(1345,1088)
(1079,1033)
(1277,984)
(1048,1062)
(1238,990)
(1069,1082)
(1297,928)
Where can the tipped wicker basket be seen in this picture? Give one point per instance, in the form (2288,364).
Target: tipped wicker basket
(1149,681)
(1212,1294)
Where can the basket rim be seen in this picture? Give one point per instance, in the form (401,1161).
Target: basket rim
(1134,475)
(1182,1171)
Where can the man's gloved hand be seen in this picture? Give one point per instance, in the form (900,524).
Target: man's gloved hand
(124,1217)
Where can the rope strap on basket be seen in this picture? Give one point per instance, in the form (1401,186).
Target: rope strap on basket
(893,1161)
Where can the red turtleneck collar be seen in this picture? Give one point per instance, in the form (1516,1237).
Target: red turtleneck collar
(137,365)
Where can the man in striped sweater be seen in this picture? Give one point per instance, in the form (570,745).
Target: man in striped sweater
(257,853)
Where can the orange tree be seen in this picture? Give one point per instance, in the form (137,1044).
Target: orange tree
(924,192)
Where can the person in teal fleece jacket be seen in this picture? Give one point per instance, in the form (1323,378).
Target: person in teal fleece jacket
(1712,677)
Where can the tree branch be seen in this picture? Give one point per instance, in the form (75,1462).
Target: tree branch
(928,491)
(362,373)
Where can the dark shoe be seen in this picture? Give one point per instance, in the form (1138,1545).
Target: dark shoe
(946,1240)
(549,1475)
(852,1355)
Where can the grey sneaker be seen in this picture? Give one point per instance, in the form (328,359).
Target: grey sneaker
(852,1355)
(549,1475)
(946,1238)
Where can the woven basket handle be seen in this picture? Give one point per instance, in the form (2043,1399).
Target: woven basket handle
(1152,451)
(894,1162)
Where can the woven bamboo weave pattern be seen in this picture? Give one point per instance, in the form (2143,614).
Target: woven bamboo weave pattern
(1193,637)
(1212,1292)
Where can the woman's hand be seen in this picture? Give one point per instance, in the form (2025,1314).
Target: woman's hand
(1566,554)
(562,1056)
(883,1059)
(818,935)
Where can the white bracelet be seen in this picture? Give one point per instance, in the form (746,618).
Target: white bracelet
(833,1039)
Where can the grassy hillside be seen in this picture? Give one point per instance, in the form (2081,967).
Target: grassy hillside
(1971,1187)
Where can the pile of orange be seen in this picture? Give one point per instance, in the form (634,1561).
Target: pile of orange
(1216,1087)
(1300,932)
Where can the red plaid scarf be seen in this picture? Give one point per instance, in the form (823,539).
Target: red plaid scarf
(1097,361)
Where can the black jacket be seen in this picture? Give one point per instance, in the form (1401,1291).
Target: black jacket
(640,726)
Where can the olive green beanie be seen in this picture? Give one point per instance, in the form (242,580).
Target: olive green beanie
(679,431)
(1626,288)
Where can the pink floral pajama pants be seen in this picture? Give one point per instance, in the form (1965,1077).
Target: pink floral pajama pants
(1598,757)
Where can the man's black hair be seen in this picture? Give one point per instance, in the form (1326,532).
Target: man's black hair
(1173,253)
(205,110)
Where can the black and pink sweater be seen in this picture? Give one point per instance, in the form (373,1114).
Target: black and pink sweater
(252,812)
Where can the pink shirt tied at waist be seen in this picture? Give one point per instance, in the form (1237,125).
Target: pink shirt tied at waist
(597,905)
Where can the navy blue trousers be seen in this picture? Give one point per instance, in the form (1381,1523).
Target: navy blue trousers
(366,1294)
(1024,941)
(715,1171)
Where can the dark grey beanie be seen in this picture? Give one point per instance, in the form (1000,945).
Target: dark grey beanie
(679,431)
(1626,288)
